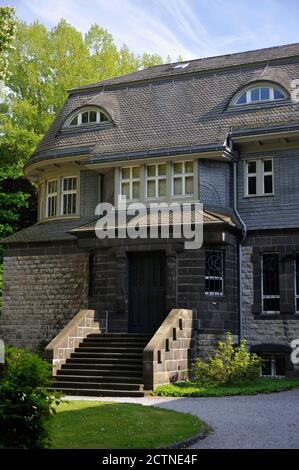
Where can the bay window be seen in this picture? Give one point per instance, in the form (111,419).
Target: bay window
(156,180)
(130,182)
(61,197)
(182,178)
(68,195)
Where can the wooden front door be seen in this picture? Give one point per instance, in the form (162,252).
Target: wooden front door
(146,291)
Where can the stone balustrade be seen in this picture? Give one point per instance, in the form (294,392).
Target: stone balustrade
(61,347)
(167,357)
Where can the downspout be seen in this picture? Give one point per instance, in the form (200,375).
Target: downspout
(244,230)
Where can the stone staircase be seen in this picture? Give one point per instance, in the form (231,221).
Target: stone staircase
(104,365)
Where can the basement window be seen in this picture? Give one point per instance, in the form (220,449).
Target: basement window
(214,272)
(273,365)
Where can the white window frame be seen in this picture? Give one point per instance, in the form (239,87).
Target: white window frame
(93,123)
(67,192)
(259,86)
(183,175)
(266,296)
(156,179)
(259,176)
(51,195)
(130,180)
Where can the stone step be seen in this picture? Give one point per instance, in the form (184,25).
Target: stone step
(105,360)
(108,372)
(75,364)
(86,347)
(85,392)
(97,378)
(111,355)
(98,385)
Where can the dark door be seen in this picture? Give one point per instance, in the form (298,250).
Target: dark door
(146,291)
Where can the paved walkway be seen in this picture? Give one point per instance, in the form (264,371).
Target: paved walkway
(243,422)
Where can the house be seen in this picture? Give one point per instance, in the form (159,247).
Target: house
(222,131)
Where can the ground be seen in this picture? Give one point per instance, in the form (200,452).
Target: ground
(240,422)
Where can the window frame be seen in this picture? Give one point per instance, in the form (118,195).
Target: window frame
(79,114)
(68,192)
(259,175)
(156,179)
(183,175)
(130,180)
(272,357)
(51,195)
(210,293)
(269,296)
(249,102)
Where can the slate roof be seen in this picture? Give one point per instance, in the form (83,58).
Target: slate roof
(165,108)
(67,230)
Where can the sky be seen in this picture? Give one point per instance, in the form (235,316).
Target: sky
(187,28)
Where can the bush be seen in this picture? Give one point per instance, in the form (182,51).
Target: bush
(229,365)
(25,403)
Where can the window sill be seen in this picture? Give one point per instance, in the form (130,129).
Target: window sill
(276,316)
(246,196)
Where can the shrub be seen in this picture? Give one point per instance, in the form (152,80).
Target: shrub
(25,403)
(229,365)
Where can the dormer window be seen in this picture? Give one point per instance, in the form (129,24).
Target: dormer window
(259,93)
(87,117)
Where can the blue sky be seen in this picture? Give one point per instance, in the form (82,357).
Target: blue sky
(191,28)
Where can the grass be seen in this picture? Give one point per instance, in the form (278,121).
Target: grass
(104,425)
(193,389)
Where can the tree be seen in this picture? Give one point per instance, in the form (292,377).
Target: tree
(7,30)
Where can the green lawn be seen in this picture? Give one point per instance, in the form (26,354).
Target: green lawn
(192,389)
(101,425)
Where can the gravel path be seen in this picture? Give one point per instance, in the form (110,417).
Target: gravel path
(243,422)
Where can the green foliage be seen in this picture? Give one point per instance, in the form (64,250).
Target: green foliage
(229,365)
(194,389)
(7,31)
(25,404)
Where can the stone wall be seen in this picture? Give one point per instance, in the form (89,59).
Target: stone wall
(259,329)
(41,294)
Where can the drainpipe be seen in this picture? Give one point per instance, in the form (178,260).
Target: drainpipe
(240,251)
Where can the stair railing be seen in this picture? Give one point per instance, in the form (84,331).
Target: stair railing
(167,356)
(69,338)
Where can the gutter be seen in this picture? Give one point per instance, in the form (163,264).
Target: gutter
(240,251)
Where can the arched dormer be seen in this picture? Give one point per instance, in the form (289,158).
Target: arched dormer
(259,93)
(87,116)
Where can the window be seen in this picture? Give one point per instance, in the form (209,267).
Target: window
(270,283)
(88,117)
(156,180)
(260,94)
(214,273)
(68,195)
(259,177)
(296,282)
(273,365)
(52,194)
(182,178)
(130,182)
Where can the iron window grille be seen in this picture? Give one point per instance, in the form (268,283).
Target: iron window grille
(270,283)
(214,272)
